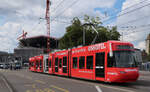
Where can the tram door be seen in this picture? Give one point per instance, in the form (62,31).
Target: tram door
(45,63)
(65,64)
(100,65)
(56,64)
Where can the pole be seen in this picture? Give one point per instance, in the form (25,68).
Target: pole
(48,24)
(122,36)
(83,37)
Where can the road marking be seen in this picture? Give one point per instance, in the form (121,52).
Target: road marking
(48,90)
(90,83)
(39,81)
(125,90)
(29,91)
(98,88)
(44,90)
(10,89)
(61,89)
(28,77)
(41,90)
(33,85)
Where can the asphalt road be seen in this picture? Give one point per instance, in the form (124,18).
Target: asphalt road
(26,81)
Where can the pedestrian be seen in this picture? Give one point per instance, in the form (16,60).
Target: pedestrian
(10,66)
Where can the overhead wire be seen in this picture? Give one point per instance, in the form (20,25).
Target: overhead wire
(75,1)
(145,29)
(60,3)
(112,15)
(133,10)
(127,8)
(128,22)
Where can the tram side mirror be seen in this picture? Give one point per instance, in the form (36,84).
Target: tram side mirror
(111,52)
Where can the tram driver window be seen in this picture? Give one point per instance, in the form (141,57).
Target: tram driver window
(89,62)
(75,63)
(110,61)
(81,62)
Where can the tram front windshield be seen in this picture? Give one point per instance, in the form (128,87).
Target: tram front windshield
(122,59)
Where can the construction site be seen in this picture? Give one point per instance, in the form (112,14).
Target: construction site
(31,46)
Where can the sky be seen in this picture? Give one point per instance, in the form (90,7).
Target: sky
(131,16)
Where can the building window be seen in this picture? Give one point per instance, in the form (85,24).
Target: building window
(89,62)
(75,64)
(81,62)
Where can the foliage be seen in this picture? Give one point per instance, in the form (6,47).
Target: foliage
(74,33)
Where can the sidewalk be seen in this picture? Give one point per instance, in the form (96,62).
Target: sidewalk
(145,73)
(4,85)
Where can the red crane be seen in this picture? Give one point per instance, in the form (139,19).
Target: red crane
(48,24)
(23,36)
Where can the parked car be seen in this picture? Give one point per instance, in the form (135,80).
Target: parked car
(1,66)
(4,66)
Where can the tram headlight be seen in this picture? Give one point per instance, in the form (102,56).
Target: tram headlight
(122,72)
(112,73)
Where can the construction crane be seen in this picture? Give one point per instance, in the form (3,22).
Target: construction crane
(47,17)
(23,36)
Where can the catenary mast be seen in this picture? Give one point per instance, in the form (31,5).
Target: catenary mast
(48,24)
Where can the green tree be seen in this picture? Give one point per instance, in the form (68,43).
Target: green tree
(74,33)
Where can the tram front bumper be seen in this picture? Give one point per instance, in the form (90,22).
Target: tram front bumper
(122,76)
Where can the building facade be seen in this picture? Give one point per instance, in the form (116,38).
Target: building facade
(26,53)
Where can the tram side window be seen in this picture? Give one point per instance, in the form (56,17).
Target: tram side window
(89,62)
(56,64)
(60,63)
(56,61)
(64,61)
(32,64)
(75,65)
(110,61)
(50,63)
(40,64)
(37,64)
(46,62)
(81,62)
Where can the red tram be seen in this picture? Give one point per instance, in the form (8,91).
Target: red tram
(111,61)
(32,65)
(39,63)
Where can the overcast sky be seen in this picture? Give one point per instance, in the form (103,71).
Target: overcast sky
(131,16)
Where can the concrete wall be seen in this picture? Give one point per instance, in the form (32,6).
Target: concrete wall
(26,53)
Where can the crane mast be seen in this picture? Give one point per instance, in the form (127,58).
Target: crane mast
(47,17)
